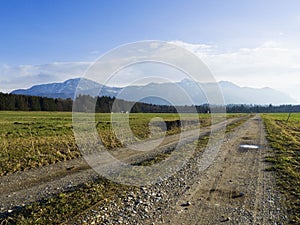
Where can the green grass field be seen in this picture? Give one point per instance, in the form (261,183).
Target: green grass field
(31,139)
(284,139)
(34,139)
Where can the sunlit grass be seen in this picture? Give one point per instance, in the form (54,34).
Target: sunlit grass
(284,138)
(35,139)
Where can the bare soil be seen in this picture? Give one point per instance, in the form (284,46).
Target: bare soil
(236,188)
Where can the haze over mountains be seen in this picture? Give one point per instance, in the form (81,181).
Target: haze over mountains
(232,93)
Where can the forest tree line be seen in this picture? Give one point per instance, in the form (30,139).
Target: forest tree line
(108,104)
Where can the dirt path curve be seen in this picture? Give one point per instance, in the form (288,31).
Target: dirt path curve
(235,189)
(28,186)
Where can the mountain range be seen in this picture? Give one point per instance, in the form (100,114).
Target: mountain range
(176,93)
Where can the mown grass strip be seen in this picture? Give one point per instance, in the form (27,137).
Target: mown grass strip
(284,139)
(66,205)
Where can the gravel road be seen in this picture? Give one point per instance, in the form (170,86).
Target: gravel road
(234,189)
(24,187)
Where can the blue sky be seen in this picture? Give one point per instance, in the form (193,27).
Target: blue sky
(252,43)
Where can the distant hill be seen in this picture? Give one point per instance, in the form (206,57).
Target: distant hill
(232,93)
(65,89)
(245,95)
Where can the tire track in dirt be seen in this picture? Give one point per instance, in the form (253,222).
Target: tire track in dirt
(211,196)
(236,189)
(25,187)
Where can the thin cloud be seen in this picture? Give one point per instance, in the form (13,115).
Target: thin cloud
(24,76)
(95,52)
(269,65)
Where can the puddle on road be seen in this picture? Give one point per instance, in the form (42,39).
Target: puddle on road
(249,146)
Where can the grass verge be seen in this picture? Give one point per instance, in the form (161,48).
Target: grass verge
(284,139)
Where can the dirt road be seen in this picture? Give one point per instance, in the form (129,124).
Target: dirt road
(234,189)
(25,187)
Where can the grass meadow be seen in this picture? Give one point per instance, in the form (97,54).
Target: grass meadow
(34,139)
(284,139)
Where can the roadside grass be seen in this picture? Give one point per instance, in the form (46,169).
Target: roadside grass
(68,205)
(284,139)
(65,206)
